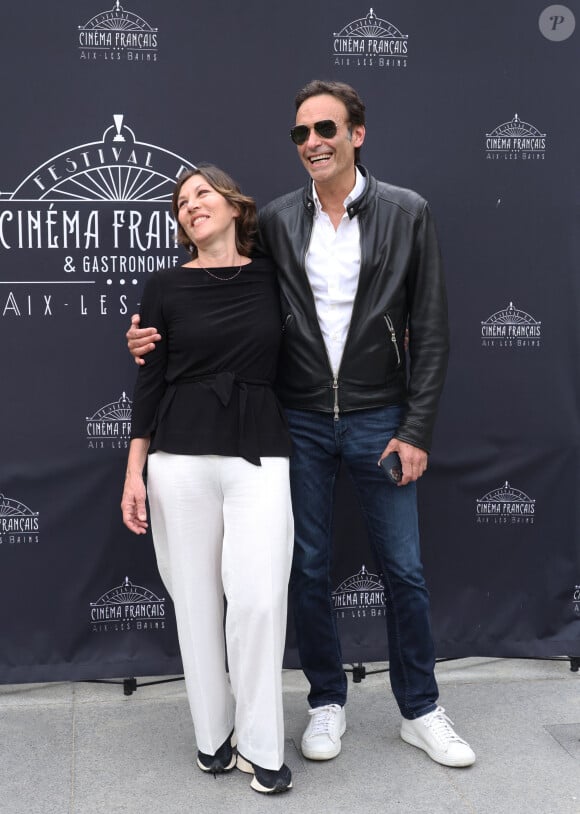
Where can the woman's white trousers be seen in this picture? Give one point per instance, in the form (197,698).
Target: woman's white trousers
(223,526)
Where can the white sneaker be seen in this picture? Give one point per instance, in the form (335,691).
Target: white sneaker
(435,735)
(321,739)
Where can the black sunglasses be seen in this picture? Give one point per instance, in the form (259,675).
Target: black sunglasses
(325,128)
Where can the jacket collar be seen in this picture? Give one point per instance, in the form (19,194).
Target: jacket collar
(354,207)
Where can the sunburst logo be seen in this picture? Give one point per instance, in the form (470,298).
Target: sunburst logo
(118,34)
(114,168)
(511,328)
(18,523)
(505,505)
(128,607)
(515,139)
(359,596)
(370,42)
(110,426)
(96,216)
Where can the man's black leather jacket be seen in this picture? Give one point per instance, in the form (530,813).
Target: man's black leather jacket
(401,284)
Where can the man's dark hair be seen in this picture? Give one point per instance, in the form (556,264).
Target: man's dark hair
(355,106)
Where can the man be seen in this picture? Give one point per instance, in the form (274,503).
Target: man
(358,264)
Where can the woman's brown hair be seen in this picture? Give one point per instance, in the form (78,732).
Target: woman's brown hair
(247,220)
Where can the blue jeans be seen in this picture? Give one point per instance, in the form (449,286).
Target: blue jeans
(358,439)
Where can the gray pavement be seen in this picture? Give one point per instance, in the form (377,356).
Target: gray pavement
(80,748)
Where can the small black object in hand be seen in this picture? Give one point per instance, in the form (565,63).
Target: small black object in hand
(392,468)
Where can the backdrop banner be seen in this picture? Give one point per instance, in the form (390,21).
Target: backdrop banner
(103,108)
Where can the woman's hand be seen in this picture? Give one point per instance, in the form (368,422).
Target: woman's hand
(133,504)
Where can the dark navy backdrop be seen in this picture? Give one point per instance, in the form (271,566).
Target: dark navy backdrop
(102,105)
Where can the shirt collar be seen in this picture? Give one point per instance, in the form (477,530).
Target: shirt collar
(357,190)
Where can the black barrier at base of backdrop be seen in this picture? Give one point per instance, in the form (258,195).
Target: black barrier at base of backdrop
(359,673)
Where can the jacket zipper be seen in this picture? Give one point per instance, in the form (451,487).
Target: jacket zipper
(335,378)
(335,409)
(391,329)
(335,388)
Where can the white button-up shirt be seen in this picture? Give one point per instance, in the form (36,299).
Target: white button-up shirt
(333,267)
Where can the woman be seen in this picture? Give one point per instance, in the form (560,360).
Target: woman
(216,444)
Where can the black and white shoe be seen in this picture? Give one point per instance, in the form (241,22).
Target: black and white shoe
(224,759)
(266,781)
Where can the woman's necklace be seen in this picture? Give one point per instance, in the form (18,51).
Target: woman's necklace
(217,277)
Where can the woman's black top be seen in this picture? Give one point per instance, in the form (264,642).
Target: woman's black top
(206,389)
